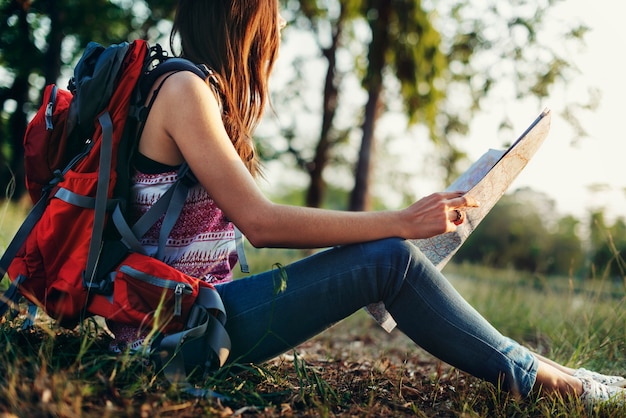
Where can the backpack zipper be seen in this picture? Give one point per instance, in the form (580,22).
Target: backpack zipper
(180,289)
(178,298)
(50,108)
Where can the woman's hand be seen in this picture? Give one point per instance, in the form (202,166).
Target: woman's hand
(436,214)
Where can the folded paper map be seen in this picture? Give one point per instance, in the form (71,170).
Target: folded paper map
(486,181)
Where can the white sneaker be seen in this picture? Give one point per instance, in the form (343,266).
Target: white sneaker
(595,394)
(601,378)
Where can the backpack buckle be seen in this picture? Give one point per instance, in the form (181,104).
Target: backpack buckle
(101,287)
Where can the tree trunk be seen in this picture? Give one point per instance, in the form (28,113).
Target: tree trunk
(52,57)
(360,199)
(18,119)
(317,186)
(316,189)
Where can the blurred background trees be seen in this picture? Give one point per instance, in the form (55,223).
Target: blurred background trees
(523,232)
(41,39)
(353,74)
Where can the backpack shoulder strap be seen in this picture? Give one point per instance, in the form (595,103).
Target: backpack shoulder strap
(164,65)
(173,64)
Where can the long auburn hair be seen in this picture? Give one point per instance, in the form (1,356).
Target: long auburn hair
(239,40)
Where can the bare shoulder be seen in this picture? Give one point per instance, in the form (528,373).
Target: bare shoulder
(184,108)
(184,95)
(185,86)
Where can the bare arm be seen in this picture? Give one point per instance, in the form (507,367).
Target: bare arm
(185,123)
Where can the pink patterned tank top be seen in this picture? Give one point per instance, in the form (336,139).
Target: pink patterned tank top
(202,242)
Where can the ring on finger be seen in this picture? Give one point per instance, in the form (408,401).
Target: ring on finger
(459,216)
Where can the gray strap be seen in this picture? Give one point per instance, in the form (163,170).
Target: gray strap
(210,303)
(128,238)
(170,347)
(172,358)
(241,254)
(174,209)
(218,340)
(75,199)
(211,300)
(208,334)
(79,200)
(104,176)
(153,214)
(171,203)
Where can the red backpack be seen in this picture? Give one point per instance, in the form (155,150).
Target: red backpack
(76,255)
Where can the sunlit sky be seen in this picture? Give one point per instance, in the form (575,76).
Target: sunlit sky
(566,172)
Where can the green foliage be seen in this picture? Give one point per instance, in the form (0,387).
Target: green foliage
(608,246)
(521,232)
(418,62)
(11,217)
(518,233)
(560,317)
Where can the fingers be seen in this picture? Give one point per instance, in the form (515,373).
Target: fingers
(457,199)
(439,213)
(461,200)
(458,202)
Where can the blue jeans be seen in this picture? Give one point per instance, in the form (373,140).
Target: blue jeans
(271,312)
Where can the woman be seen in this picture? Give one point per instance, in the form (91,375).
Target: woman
(372,261)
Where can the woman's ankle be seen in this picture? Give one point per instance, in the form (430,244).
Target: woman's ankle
(553,380)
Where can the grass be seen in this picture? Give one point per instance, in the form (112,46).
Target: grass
(352,369)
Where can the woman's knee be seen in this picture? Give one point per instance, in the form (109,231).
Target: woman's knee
(395,259)
(393,251)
